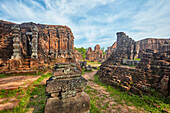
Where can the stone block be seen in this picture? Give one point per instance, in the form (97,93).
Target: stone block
(78,104)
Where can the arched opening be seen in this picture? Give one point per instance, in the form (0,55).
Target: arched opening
(29,45)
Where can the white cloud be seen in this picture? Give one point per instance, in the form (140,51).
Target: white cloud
(152,21)
(94,21)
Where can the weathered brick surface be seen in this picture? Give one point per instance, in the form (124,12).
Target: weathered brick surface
(123,77)
(34,44)
(153,71)
(159,45)
(65,90)
(78,56)
(110,50)
(97,54)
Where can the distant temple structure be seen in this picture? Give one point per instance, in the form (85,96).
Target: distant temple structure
(97,54)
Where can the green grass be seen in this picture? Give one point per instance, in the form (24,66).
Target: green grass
(11,93)
(2,75)
(93,108)
(24,101)
(83,71)
(97,68)
(93,103)
(21,105)
(38,103)
(145,101)
(96,102)
(92,62)
(137,59)
(42,78)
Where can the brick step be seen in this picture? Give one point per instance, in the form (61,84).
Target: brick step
(26,63)
(25,66)
(27,59)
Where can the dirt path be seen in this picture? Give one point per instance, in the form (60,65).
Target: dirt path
(13,83)
(104,101)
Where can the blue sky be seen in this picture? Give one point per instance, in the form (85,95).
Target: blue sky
(94,21)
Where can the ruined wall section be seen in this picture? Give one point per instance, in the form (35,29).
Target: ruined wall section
(151,73)
(77,55)
(125,46)
(6,40)
(35,43)
(110,50)
(159,45)
(126,49)
(54,41)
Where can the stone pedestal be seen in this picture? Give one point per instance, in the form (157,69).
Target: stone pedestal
(65,90)
(78,104)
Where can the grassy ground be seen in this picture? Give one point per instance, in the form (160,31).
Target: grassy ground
(138,59)
(93,63)
(93,100)
(83,71)
(35,98)
(151,103)
(3,75)
(26,100)
(37,103)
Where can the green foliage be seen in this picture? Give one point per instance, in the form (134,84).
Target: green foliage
(103,51)
(82,51)
(2,75)
(148,102)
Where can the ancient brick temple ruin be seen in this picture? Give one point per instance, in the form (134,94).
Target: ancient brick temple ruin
(152,72)
(29,45)
(109,50)
(97,54)
(158,45)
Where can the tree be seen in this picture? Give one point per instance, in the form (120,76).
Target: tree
(82,51)
(103,51)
